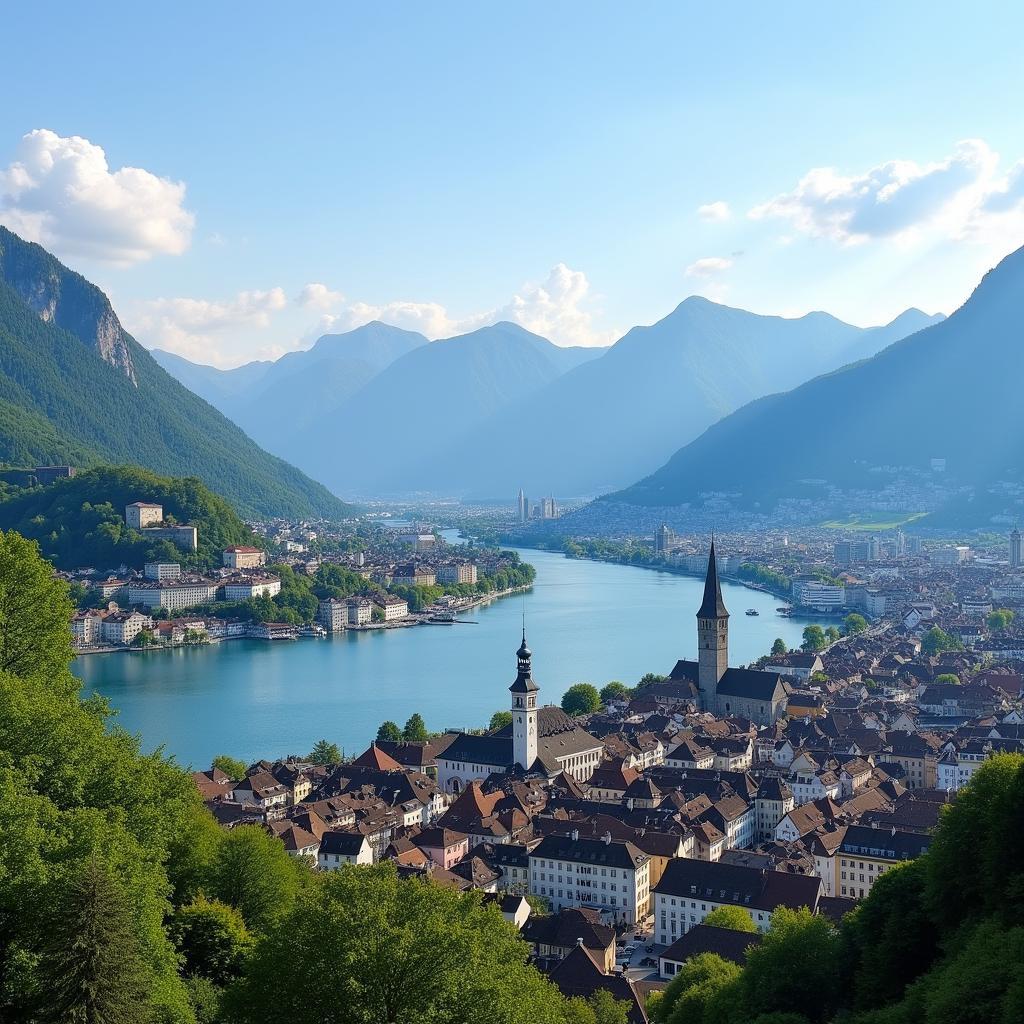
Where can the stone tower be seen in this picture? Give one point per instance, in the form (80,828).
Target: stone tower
(524,709)
(712,637)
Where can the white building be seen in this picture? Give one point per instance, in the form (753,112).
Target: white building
(340,848)
(599,874)
(186,592)
(161,570)
(332,614)
(242,588)
(124,627)
(240,557)
(457,572)
(393,607)
(818,595)
(360,611)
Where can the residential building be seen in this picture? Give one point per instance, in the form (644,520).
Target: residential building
(246,586)
(457,572)
(332,614)
(413,576)
(261,790)
(360,611)
(184,592)
(123,627)
(87,627)
(239,557)
(339,848)
(392,607)
(599,874)
(161,570)
(866,853)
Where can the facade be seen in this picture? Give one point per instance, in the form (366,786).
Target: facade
(458,572)
(866,853)
(691,889)
(340,848)
(818,595)
(124,627)
(185,537)
(46,475)
(161,570)
(241,588)
(87,627)
(1016,549)
(332,614)
(360,611)
(414,576)
(392,607)
(597,874)
(522,507)
(140,514)
(186,592)
(238,557)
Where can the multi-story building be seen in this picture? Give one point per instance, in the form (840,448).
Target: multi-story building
(124,627)
(457,572)
(600,874)
(184,536)
(392,607)
(244,587)
(774,800)
(340,848)
(360,611)
(140,514)
(413,576)
(1016,549)
(110,587)
(691,889)
(87,627)
(332,614)
(866,853)
(186,592)
(239,557)
(818,595)
(161,570)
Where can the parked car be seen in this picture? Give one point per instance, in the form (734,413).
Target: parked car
(648,961)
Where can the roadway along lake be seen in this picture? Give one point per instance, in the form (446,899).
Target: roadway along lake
(589,621)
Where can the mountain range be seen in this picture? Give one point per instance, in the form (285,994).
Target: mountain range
(482,414)
(949,393)
(76,388)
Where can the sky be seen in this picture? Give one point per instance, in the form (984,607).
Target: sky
(241,180)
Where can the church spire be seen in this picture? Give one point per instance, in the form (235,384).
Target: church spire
(524,665)
(712,607)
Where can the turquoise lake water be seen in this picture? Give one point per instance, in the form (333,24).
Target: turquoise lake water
(589,621)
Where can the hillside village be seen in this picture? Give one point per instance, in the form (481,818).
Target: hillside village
(609,837)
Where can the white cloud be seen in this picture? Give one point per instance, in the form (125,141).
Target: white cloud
(555,308)
(715,212)
(61,193)
(899,198)
(319,296)
(194,327)
(708,267)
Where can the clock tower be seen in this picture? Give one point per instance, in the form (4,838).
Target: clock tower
(524,709)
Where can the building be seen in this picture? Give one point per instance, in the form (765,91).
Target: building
(244,587)
(598,874)
(419,541)
(723,691)
(161,570)
(140,514)
(340,848)
(522,507)
(184,536)
(332,614)
(691,889)
(664,540)
(866,853)
(413,576)
(110,587)
(392,607)
(87,627)
(819,596)
(124,627)
(360,611)
(457,572)
(543,740)
(795,665)
(239,557)
(1016,549)
(949,554)
(185,592)
(46,475)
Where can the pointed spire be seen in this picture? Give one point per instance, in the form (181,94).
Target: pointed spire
(712,607)
(524,669)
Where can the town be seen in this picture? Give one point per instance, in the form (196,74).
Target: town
(622,831)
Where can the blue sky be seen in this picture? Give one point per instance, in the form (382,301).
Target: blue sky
(580,168)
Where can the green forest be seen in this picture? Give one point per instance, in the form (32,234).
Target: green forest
(80,521)
(62,404)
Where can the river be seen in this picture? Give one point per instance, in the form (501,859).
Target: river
(591,621)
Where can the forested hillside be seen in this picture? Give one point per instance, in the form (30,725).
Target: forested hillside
(85,398)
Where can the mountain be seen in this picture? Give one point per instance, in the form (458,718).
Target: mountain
(602,424)
(75,387)
(951,392)
(303,387)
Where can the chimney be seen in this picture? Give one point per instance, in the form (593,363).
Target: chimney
(579,940)
(607,838)
(574,835)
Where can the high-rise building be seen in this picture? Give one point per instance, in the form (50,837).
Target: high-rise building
(522,507)
(664,540)
(1016,552)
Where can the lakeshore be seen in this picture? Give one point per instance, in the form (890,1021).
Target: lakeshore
(586,620)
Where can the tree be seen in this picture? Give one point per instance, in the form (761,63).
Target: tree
(499,720)
(947,679)
(794,968)
(614,691)
(814,639)
(699,979)
(389,732)
(581,699)
(325,753)
(999,619)
(34,612)
(415,730)
(650,679)
(854,623)
(91,972)
(779,647)
(937,640)
(230,766)
(832,634)
(253,873)
(607,1009)
(365,946)
(732,917)
(212,938)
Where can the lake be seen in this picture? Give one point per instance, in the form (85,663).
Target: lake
(585,621)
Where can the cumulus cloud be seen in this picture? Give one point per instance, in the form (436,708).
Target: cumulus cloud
(896,198)
(708,267)
(717,211)
(556,308)
(194,328)
(319,296)
(61,193)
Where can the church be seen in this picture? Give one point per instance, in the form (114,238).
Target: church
(540,740)
(723,691)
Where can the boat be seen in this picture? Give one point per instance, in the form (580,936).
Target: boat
(753,611)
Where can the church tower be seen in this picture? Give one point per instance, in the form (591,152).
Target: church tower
(524,709)
(712,637)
